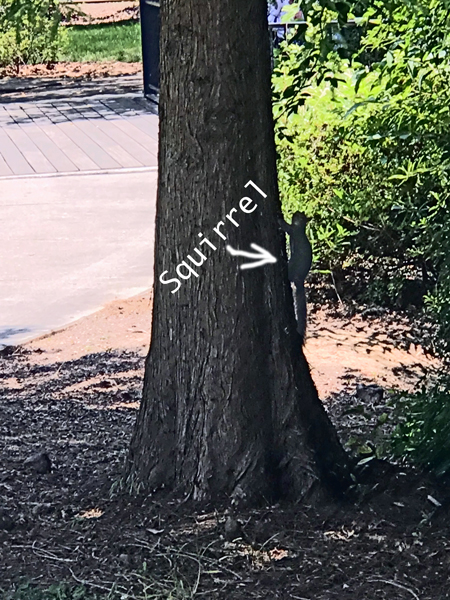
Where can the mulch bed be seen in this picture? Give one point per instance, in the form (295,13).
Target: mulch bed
(73,524)
(70,71)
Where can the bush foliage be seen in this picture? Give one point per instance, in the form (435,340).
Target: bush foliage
(29,31)
(362,116)
(422,434)
(363,141)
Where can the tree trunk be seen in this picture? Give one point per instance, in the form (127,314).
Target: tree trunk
(229,407)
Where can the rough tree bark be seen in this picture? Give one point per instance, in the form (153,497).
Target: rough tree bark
(229,407)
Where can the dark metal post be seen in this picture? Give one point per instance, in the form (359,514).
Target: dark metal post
(150,46)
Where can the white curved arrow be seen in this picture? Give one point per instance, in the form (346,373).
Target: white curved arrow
(262,257)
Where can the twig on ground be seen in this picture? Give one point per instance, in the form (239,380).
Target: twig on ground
(91,583)
(395,584)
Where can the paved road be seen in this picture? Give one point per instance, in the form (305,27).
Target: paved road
(77,202)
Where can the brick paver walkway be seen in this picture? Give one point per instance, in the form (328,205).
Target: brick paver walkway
(83,128)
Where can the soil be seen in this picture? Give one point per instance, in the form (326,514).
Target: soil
(73,70)
(73,396)
(94,13)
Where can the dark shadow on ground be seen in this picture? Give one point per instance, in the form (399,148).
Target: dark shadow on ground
(8,332)
(125,91)
(72,524)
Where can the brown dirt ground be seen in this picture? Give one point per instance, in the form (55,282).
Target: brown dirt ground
(74,394)
(74,70)
(92,13)
(338,348)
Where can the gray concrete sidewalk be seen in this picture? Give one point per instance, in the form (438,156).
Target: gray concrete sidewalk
(77,201)
(70,244)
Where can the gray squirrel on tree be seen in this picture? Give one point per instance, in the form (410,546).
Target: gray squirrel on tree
(299,264)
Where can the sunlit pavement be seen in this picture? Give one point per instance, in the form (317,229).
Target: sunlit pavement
(69,244)
(78,162)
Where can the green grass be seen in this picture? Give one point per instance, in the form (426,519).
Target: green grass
(55,592)
(109,41)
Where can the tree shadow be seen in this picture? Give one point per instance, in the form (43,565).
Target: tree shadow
(9,332)
(125,91)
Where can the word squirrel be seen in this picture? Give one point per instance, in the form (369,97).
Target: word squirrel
(185,270)
(299,264)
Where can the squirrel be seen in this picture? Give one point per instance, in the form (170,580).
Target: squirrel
(299,264)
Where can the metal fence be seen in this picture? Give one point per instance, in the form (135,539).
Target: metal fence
(279,32)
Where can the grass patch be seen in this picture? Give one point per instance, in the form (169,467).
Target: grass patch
(108,41)
(58,591)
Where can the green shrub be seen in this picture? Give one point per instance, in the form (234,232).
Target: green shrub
(29,31)
(364,150)
(363,141)
(422,435)
(341,184)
